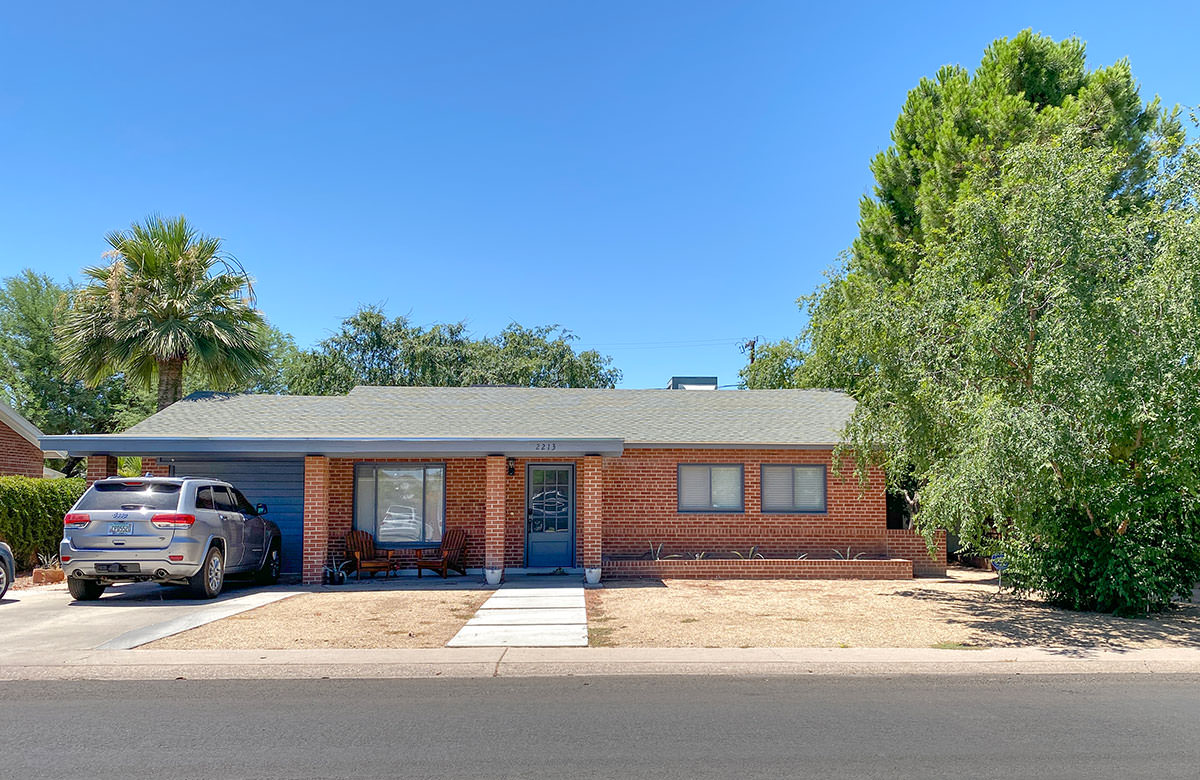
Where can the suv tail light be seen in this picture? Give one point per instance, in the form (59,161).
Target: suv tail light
(76,520)
(172,520)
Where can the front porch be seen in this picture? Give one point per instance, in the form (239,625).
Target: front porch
(490,498)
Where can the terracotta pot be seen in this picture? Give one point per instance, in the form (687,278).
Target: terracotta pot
(48,576)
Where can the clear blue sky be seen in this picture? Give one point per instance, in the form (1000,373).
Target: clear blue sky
(663,178)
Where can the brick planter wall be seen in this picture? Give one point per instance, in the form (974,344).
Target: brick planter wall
(756,569)
(17,456)
(911,545)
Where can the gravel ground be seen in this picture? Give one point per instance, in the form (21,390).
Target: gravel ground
(962,610)
(346,618)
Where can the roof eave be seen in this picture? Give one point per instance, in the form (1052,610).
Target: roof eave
(24,428)
(123,444)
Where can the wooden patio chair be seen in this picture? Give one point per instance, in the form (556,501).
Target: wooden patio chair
(448,556)
(360,546)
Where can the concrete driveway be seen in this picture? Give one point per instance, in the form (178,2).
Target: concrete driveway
(45,618)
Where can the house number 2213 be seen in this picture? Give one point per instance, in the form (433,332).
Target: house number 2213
(545,446)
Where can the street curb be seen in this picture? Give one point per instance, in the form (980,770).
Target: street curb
(570,662)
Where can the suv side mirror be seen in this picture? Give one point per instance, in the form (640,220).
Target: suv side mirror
(261,509)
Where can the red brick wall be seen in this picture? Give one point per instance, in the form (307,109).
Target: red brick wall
(779,568)
(316,517)
(641,508)
(17,455)
(99,467)
(591,507)
(495,532)
(911,545)
(154,468)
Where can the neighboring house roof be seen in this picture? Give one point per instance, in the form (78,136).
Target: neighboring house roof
(26,429)
(49,473)
(596,420)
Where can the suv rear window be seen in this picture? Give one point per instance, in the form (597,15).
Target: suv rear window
(130,495)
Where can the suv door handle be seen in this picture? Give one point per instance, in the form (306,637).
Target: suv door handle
(223,517)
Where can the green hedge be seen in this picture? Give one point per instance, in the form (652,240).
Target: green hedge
(31,514)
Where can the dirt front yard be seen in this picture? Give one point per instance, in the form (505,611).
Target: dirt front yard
(344,618)
(961,610)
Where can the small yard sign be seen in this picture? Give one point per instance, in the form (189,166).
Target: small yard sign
(999,565)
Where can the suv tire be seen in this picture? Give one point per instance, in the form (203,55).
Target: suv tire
(3,578)
(84,590)
(206,583)
(269,573)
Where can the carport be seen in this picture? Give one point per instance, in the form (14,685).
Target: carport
(274,477)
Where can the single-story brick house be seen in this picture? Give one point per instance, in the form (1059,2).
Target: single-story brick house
(542,479)
(20,445)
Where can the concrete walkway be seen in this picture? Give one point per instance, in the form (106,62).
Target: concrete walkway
(528,612)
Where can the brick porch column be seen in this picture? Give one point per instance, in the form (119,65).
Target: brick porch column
(316,518)
(493,551)
(100,466)
(591,485)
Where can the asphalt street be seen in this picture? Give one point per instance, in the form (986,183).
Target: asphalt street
(1071,726)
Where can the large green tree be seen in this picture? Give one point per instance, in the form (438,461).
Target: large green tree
(32,306)
(372,349)
(1038,381)
(1017,319)
(170,298)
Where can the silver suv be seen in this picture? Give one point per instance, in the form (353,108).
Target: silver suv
(172,530)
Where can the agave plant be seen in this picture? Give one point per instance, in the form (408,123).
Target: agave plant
(847,556)
(753,553)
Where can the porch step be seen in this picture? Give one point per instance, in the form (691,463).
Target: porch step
(522,614)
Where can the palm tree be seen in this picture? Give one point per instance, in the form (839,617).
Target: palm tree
(170,297)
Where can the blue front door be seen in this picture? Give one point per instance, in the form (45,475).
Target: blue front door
(550,516)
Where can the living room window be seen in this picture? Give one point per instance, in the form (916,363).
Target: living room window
(710,487)
(400,504)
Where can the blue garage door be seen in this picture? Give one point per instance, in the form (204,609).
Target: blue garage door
(276,482)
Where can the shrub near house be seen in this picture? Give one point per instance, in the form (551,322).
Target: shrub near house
(31,514)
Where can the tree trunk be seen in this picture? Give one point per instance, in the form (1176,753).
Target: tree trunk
(170,382)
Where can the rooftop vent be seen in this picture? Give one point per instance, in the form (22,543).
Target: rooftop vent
(692,383)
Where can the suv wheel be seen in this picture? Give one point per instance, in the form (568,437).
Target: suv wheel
(269,573)
(206,583)
(3,579)
(84,590)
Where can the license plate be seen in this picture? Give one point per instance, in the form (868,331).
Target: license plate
(117,568)
(120,529)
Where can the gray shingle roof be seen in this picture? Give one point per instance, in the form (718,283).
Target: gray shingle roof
(787,417)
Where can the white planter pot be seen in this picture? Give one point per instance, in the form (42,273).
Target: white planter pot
(493,576)
(591,576)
